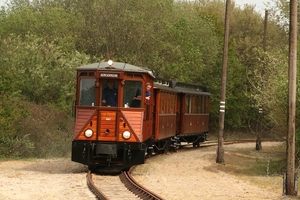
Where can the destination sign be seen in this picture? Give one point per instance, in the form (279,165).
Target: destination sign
(109,75)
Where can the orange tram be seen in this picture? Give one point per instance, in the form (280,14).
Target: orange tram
(115,133)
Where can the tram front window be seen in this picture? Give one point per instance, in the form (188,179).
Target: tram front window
(87,92)
(109,95)
(132,89)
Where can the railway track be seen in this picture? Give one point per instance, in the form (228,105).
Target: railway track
(136,188)
(122,187)
(110,187)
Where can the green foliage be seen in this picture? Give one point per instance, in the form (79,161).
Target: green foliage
(11,113)
(51,131)
(15,147)
(41,71)
(44,133)
(43,19)
(42,42)
(269,87)
(38,60)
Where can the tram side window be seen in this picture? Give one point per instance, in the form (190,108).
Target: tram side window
(132,89)
(87,96)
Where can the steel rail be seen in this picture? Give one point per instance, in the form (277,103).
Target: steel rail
(99,195)
(136,188)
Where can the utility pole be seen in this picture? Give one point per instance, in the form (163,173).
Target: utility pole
(265,31)
(260,109)
(290,139)
(220,151)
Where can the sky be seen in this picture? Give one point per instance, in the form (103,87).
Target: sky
(259,4)
(2,2)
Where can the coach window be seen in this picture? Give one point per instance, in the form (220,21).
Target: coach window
(202,104)
(167,103)
(205,104)
(87,96)
(194,104)
(187,104)
(162,103)
(198,104)
(172,103)
(132,89)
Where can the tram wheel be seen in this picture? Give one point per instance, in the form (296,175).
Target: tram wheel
(196,144)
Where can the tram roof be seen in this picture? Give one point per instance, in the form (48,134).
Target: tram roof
(116,66)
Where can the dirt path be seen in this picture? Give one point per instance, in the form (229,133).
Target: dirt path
(190,175)
(194,175)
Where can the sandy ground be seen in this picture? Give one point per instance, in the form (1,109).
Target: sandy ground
(195,175)
(189,175)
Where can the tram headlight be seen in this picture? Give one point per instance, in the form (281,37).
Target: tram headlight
(110,62)
(88,133)
(126,135)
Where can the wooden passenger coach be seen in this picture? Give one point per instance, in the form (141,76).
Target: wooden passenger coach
(183,109)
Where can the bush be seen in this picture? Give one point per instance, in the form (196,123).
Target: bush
(44,133)
(13,147)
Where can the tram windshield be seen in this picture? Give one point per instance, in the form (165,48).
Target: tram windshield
(109,94)
(132,94)
(87,96)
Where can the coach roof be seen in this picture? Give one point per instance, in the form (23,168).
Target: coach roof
(181,87)
(116,66)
